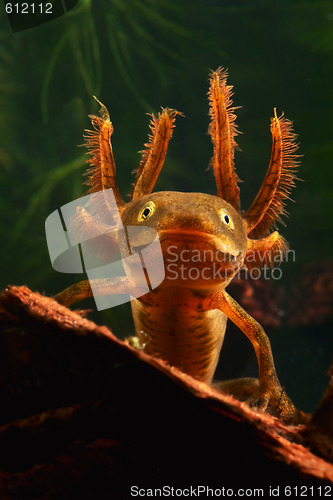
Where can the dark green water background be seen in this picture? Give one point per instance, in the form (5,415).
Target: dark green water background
(136,56)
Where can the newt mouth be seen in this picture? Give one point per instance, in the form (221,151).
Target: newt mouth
(199,243)
(198,260)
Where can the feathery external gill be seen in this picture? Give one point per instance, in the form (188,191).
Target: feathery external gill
(269,204)
(223,130)
(102,171)
(155,151)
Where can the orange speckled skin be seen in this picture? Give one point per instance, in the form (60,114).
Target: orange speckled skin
(172,316)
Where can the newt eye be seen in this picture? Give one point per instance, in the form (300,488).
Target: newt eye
(225,217)
(147,211)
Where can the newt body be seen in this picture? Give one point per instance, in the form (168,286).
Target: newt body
(205,240)
(197,246)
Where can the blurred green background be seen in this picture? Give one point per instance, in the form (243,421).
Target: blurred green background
(138,55)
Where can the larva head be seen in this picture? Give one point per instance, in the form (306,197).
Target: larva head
(203,238)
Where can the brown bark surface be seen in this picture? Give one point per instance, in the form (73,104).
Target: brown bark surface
(84,415)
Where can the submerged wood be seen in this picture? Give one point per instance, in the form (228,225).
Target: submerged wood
(84,415)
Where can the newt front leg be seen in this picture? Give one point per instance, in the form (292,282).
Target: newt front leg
(98,287)
(271,392)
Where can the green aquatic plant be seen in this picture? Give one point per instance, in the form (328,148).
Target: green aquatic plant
(79,37)
(42,192)
(138,36)
(133,36)
(115,31)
